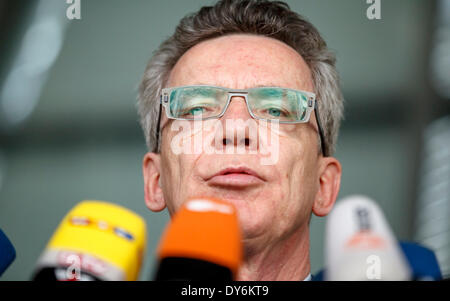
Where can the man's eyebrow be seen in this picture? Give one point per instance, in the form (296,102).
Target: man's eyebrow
(267,85)
(248,87)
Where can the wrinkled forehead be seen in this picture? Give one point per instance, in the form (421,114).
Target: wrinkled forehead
(240,62)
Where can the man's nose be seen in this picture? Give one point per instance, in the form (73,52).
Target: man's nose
(239,128)
(237,109)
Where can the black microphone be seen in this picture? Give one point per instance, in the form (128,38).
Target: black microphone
(7,252)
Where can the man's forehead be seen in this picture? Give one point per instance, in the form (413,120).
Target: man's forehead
(240,62)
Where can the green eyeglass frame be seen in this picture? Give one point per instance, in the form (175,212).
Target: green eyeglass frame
(311,105)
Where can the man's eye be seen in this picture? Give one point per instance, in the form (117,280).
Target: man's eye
(196,111)
(193,111)
(276,112)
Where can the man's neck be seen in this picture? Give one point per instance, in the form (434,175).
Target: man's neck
(285,260)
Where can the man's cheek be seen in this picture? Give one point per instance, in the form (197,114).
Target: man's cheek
(213,137)
(181,137)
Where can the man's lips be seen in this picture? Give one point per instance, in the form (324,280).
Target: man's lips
(235,177)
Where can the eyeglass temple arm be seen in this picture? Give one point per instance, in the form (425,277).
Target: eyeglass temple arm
(158,126)
(322,139)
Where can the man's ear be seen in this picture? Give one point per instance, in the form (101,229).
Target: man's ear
(329,183)
(151,168)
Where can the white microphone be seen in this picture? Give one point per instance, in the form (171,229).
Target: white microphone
(360,246)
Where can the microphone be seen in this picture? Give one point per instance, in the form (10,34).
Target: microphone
(95,241)
(7,252)
(423,262)
(360,245)
(202,242)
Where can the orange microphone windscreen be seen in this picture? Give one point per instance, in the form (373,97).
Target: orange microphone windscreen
(204,229)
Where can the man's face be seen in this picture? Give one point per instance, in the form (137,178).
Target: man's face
(272,200)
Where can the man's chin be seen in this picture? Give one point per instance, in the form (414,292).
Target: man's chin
(253,228)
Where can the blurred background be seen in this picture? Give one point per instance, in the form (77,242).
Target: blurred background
(69,129)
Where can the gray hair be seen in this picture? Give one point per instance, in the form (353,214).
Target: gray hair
(259,17)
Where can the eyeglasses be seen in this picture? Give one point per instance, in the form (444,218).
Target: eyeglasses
(264,103)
